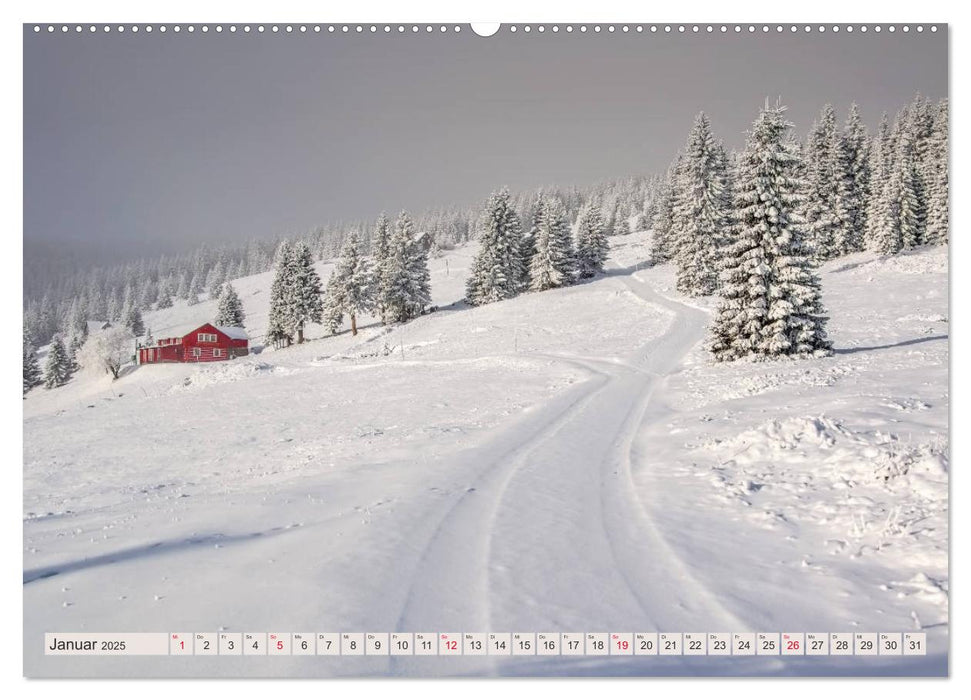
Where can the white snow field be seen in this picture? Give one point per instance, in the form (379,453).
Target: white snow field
(568,461)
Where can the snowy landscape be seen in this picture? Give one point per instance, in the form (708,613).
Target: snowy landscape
(709,399)
(559,461)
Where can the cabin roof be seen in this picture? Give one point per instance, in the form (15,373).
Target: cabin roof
(182,330)
(234,332)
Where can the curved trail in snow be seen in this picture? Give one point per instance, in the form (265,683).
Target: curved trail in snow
(552,536)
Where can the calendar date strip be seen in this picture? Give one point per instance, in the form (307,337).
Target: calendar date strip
(487,644)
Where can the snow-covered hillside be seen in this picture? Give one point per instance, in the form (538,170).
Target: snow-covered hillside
(562,461)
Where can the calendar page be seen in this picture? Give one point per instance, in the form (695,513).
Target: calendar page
(420,350)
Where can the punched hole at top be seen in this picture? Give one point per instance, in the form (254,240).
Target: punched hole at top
(485,28)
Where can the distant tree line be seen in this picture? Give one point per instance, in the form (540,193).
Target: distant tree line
(56,305)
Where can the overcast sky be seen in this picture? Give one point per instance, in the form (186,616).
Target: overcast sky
(149,142)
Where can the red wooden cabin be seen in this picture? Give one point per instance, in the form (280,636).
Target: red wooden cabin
(207,343)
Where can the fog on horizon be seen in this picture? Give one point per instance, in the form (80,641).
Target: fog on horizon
(146,143)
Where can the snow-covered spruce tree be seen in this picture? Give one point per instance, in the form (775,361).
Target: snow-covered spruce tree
(730,232)
(898,218)
(215,279)
(57,368)
(900,122)
(380,245)
(405,281)
(381,242)
(304,303)
(553,263)
(700,213)
(196,284)
(164,300)
(771,304)
(879,174)
(885,235)
(649,207)
(899,213)
(229,311)
(421,294)
(938,217)
(663,247)
(350,288)
(128,301)
(617,220)
(94,300)
(278,328)
(31,367)
(333,304)
(498,270)
(112,308)
(527,248)
(238,270)
(822,210)
(854,183)
(47,321)
(78,323)
(76,333)
(592,244)
(903,199)
(609,214)
(148,294)
(74,345)
(182,290)
(920,129)
(621,226)
(133,321)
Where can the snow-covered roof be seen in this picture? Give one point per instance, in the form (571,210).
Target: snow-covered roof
(183,329)
(234,332)
(177,331)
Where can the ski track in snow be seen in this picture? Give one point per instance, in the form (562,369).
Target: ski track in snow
(537,543)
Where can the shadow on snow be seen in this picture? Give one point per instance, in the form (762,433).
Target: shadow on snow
(148,550)
(902,343)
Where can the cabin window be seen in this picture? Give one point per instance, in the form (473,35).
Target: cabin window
(216,352)
(207,337)
(197,352)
